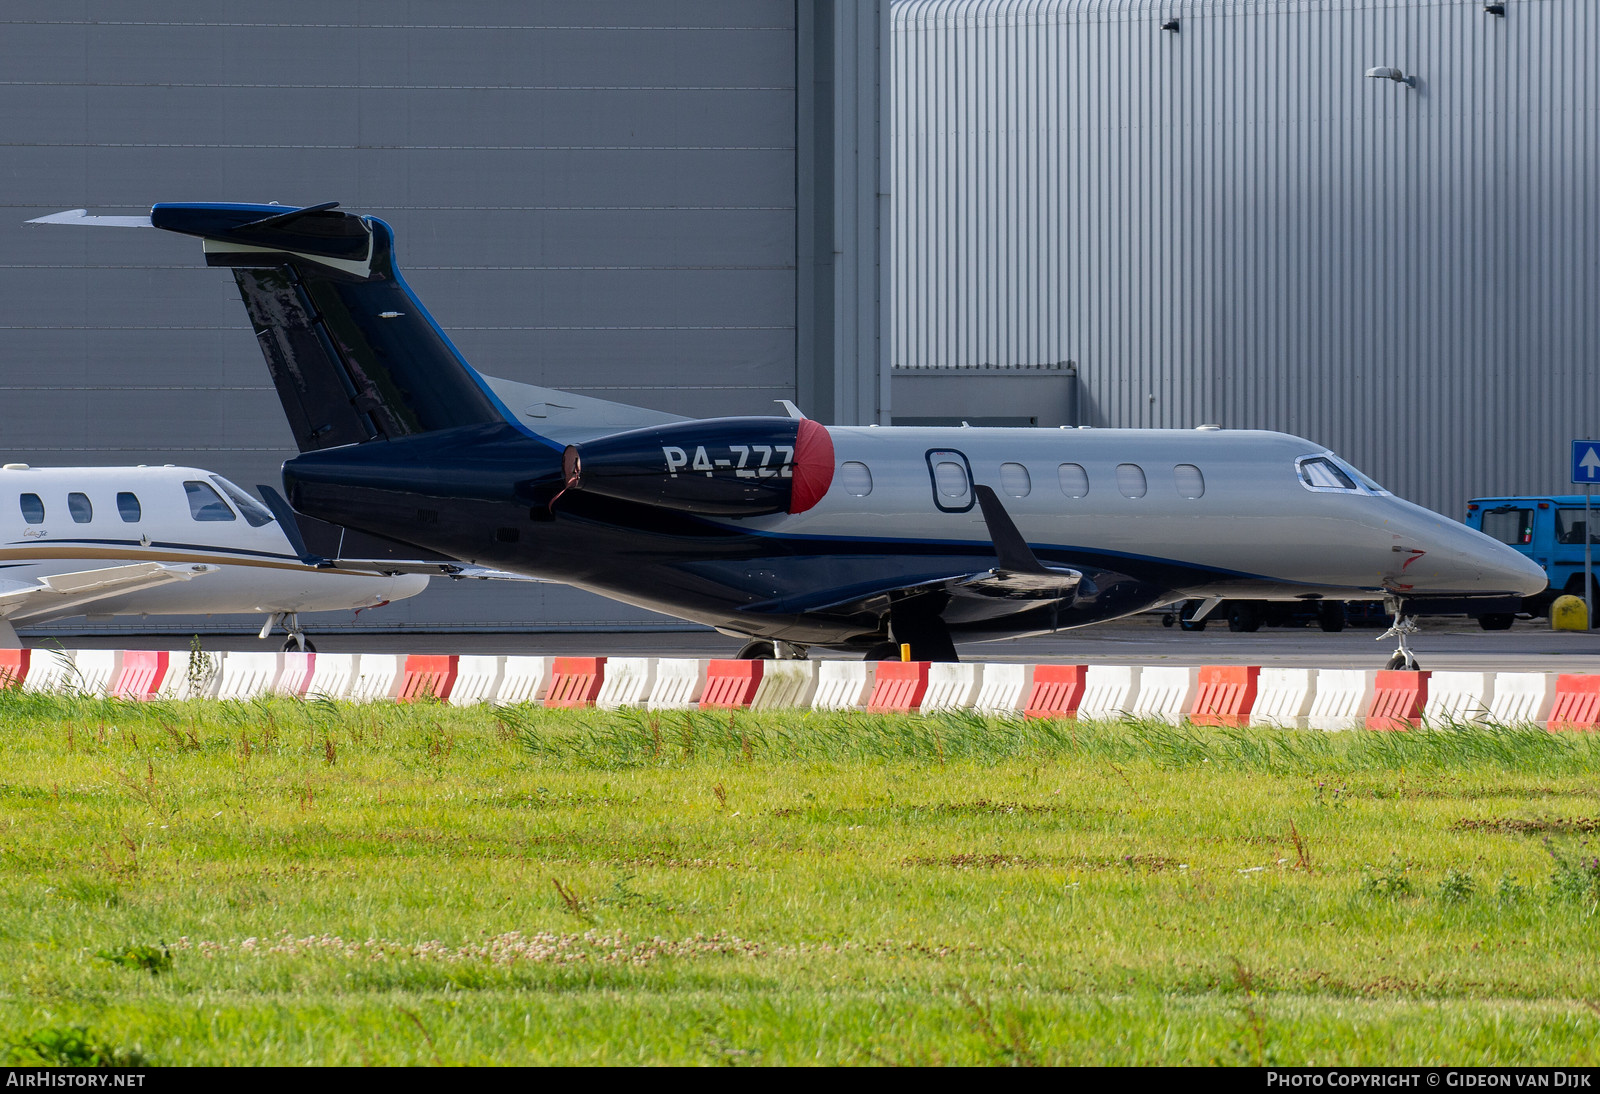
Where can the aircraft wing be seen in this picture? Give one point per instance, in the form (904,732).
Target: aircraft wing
(1018,575)
(70,594)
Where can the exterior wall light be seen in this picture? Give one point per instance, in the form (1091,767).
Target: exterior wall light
(1170,24)
(1495,9)
(1384,73)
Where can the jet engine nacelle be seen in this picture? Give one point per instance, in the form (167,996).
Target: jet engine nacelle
(722,467)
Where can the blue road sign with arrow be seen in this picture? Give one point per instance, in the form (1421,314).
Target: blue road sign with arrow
(1586,462)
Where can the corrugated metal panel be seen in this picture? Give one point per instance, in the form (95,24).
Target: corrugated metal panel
(1229,223)
(595,196)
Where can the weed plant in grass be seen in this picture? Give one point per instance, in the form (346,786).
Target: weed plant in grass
(315,882)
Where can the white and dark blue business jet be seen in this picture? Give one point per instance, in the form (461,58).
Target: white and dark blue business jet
(782,530)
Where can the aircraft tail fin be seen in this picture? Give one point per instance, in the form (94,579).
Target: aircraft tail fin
(352,352)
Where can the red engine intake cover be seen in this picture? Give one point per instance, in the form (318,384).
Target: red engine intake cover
(813,465)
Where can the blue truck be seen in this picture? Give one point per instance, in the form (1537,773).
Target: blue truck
(1548,529)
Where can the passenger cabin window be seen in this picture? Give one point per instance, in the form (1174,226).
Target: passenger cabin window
(128,507)
(1512,525)
(254,512)
(856,478)
(205,503)
(1570,526)
(1074,480)
(1014,480)
(1189,481)
(1321,473)
(32,509)
(78,505)
(1131,481)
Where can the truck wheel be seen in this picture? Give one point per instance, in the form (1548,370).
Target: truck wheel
(1331,616)
(1244,617)
(1496,621)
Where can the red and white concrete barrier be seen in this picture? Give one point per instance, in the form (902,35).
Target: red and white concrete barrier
(680,683)
(952,686)
(1284,697)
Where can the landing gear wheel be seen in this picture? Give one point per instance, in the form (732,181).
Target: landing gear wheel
(758,649)
(883,651)
(1402,662)
(1497,621)
(1186,620)
(302,645)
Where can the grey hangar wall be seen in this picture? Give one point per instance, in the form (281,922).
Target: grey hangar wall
(615,197)
(1227,222)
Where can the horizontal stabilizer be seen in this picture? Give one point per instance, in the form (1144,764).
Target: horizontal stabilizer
(324,544)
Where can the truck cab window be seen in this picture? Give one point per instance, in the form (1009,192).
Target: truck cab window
(1511,525)
(205,503)
(1570,526)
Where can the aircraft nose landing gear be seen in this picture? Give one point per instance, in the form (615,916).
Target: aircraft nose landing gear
(297,639)
(1401,630)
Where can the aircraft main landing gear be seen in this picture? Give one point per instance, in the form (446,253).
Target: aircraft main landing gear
(768,649)
(1402,629)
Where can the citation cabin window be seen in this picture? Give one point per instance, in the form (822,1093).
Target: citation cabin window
(205,503)
(80,509)
(128,507)
(32,508)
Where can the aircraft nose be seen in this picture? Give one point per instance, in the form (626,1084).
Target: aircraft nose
(1452,558)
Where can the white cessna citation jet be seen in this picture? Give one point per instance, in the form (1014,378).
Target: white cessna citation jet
(108,541)
(785,531)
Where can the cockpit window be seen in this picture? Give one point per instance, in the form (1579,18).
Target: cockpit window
(1321,473)
(205,503)
(254,512)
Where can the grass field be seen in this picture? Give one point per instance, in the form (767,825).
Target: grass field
(285,883)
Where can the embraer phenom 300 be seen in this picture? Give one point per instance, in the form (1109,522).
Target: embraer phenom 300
(780,529)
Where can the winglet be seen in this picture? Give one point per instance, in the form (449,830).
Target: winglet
(1014,553)
(290,526)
